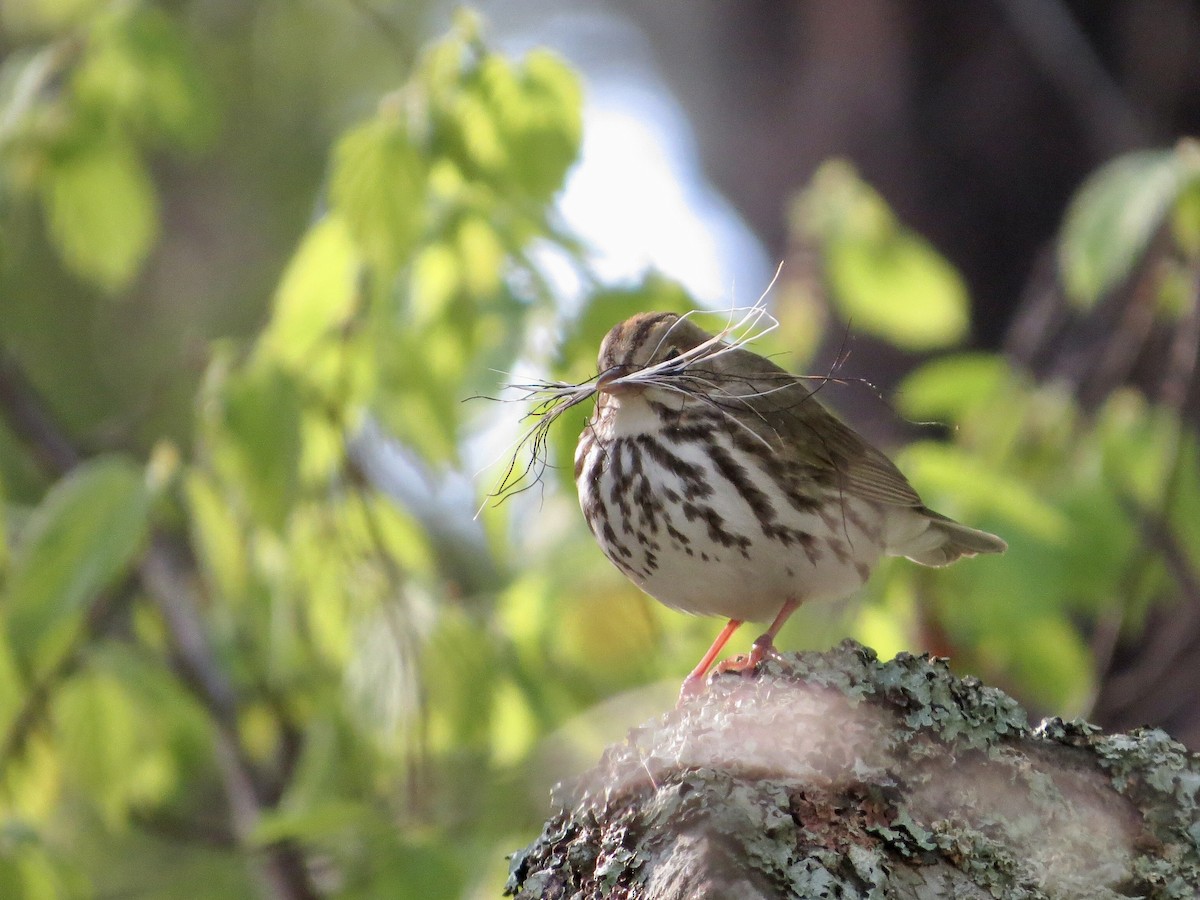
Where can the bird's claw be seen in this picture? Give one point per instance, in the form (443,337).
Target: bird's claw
(747,663)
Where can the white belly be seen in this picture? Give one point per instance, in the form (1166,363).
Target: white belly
(715,545)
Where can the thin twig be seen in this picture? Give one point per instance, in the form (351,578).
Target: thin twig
(25,412)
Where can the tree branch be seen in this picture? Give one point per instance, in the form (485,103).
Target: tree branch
(837,775)
(26,414)
(168,578)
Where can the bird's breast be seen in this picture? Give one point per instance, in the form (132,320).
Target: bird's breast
(695,517)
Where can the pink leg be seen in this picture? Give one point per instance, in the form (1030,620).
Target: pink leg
(693,684)
(764,646)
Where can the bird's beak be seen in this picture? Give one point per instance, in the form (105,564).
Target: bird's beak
(610,381)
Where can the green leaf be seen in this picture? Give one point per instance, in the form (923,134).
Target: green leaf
(885,279)
(378,185)
(1049,660)
(102,211)
(319,821)
(435,281)
(4,546)
(945,471)
(515,126)
(1113,217)
(317,296)
(538,108)
(1139,443)
(1186,222)
(77,542)
(217,537)
(950,387)
(139,67)
(262,424)
(97,729)
(30,875)
(481,256)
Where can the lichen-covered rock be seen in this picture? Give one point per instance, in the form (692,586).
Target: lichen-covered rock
(837,775)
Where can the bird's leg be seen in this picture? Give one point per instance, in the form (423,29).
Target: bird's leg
(694,683)
(763,646)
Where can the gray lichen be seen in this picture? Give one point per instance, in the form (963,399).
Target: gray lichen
(837,775)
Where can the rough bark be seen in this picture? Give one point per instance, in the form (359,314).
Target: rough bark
(837,775)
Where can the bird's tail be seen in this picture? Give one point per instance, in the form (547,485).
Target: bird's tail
(944,540)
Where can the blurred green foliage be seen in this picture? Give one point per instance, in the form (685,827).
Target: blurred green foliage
(230,636)
(1077,494)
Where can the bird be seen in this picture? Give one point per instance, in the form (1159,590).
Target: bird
(718,484)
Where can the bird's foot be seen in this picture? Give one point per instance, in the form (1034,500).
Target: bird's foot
(746,663)
(692,687)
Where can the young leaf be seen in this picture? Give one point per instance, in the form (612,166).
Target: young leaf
(951,386)
(316,296)
(538,110)
(1114,216)
(139,67)
(884,278)
(102,211)
(378,186)
(262,422)
(76,543)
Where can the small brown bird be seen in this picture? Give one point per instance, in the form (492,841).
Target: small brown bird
(715,481)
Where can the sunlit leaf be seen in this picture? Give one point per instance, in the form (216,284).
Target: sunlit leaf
(378,186)
(102,211)
(396,534)
(139,66)
(515,728)
(884,278)
(262,421)
(12,685)
(1049,661)
(309,824)
(30,876)
(460,708)
(1139,443)
(1186,221)
(1113,217)
(481,256)
(218,537)
(607,629)
(317,295)
(949,387)
(482,147)
(79,539)
(538,108)
(97,729)
(940,470)
(436,277)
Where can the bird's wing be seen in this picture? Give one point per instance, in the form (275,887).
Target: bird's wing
(873,476)
(814,434)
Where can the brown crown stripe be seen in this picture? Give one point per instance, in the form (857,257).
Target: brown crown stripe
(644,327)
